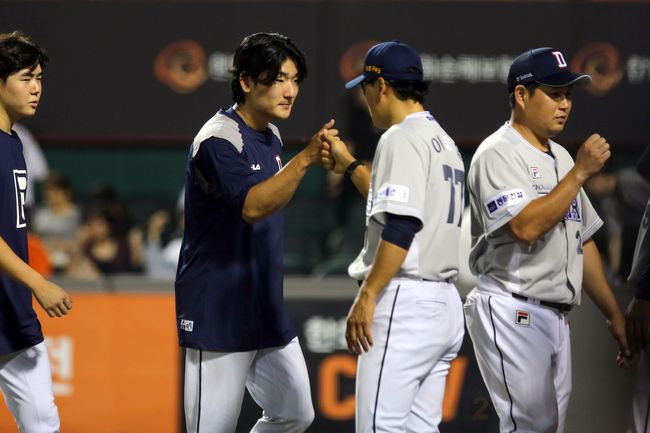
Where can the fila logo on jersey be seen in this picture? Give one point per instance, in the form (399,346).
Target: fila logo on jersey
(187,325)
(522,318)
(20,184)
(255,167)
(535,173)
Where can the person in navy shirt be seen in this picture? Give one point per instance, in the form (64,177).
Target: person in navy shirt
(229,294)
(25,377)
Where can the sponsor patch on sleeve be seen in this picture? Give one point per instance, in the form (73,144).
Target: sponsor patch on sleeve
(392,192)
(504,199)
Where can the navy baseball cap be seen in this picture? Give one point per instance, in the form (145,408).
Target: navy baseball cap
(545,66)
(392,60)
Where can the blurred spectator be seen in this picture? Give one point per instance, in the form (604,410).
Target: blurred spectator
(161,259)
(36,163)
(601,188)
(104,198)
(108,242)
(632,194)
(57,220)
(619,196)
(106,246)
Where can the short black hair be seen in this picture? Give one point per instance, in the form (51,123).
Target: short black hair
(404,90)
(260,57)
(531,87)
(18,52)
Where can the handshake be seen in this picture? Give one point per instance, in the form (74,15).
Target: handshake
(327,148)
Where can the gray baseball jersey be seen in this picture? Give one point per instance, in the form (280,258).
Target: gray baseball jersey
(418,172)
(505,174)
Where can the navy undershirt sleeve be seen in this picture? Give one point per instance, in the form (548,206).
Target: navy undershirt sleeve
(400,230)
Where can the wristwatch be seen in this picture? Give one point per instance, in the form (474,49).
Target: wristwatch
(353,165)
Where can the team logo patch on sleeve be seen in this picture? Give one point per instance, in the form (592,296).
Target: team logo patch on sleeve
(504,199)
(573,214)
(391,192)
(522,318)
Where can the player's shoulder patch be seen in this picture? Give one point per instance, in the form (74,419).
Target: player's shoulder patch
(393,192)
(504,199)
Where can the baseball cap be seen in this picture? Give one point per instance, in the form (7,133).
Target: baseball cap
(393,60)
(545,66)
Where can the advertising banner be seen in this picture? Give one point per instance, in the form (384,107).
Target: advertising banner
(156,71)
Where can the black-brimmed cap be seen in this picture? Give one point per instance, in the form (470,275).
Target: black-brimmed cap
(545,66)
(393,60)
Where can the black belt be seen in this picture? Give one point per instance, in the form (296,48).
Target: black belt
(360,282)
(563,308)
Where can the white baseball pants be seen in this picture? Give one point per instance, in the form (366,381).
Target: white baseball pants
(524,355)
(276,378)
(26,383)
(417,331)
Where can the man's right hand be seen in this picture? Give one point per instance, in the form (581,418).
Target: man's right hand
(313,150)
(591,157)
(335,155)
(53,299)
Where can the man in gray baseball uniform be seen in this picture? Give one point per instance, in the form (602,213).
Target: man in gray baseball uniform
(532,250)
(637,315)
(406,322)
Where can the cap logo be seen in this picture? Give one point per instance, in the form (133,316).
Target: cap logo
(559,58)
(523,77)
(375,69)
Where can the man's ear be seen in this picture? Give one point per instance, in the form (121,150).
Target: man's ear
(382,85)
(245,83)
(521,95)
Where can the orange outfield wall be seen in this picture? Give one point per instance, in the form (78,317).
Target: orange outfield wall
(115,365)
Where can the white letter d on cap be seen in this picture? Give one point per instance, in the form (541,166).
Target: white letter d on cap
(560,59)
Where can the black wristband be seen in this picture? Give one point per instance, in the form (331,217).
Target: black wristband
(353,165)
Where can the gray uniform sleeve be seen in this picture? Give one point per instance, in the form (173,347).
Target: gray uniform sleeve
(500,187)
(400,178)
